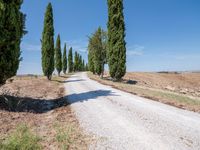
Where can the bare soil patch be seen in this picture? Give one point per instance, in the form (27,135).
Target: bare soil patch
(42,106)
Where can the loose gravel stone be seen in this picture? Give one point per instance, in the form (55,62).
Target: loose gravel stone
(124,121)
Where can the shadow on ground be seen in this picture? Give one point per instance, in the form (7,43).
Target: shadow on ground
(67,81)
(26,104)
(91,95)
(132,82)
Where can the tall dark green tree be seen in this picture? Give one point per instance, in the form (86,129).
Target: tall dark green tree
(48,43)
(86,67)
(116,39)
(58,56)
(91,56)
(98,51)
(76,57)
(83,65)
(79,62)
(64,63)
(70,60)
(12,29)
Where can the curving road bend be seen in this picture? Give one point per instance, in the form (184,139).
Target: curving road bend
(121,120)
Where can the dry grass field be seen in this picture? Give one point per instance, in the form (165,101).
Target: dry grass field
(178,89)
(183,83)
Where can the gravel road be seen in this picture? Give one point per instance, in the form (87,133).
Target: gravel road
(120,120)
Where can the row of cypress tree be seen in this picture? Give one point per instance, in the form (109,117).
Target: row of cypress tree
(12,29)
(52,58)
(79,63)
(110,48)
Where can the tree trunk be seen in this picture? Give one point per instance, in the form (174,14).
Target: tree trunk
(102,73)
(49,77)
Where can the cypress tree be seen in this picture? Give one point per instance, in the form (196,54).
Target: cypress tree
(83,65)
(104,39)
(98,51)
(116,42)
(64,59)
(70,60)
(48,43)
(58,56)
(12,29)
(79,63)
(91,57)
(86,67)
(76,61)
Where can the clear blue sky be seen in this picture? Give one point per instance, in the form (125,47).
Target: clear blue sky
(160,34)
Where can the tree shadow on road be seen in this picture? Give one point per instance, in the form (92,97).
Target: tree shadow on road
(91,95)
(67,81)
(31,105)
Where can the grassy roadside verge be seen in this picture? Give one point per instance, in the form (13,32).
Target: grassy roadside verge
(22,139)
(170,98)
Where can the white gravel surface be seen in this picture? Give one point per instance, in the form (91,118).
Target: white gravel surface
(122,121)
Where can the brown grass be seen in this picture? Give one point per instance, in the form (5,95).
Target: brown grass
(168,97)
(184,83)
(57,127)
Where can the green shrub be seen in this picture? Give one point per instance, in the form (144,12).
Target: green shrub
(21,139)
(64,135)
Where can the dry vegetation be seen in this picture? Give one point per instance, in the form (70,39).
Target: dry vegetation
(38,107)
(178,89)
(183,83)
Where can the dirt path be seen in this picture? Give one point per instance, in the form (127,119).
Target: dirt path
(124,121)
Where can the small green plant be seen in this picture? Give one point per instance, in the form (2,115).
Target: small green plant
(21,139)
(63,136)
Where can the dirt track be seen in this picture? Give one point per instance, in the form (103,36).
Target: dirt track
(124,121)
